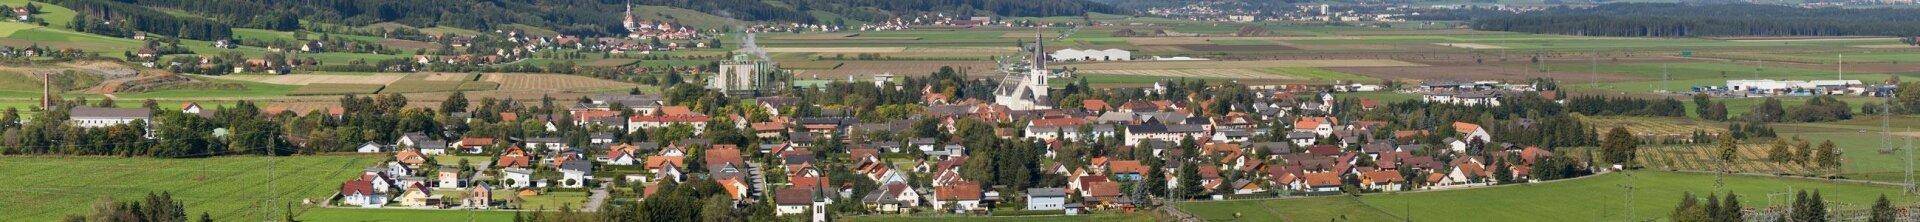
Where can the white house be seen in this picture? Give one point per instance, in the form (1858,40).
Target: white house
(793,200)
(361,192)
(573,174)
(369,147)
(1046,199)
(959,197)
(516,177)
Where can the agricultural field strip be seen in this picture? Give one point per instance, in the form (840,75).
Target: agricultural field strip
(304,79)
(1158,65)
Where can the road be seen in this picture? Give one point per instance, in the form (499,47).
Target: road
(594,201)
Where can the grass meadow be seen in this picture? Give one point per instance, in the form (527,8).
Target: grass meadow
(228,188)
(1597,198)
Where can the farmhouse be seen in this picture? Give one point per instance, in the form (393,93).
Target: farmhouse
(1091,55)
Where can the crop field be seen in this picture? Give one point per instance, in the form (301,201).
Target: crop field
(810,65)
(1148,65)
(306,79)
(1310,73)
(318,89)
(251,90)
(1751,158)
(836,49)
(448,76)
(1655,126)
(549,82)
(1879,56)
(1193,73)
(228,188)
(1597,198)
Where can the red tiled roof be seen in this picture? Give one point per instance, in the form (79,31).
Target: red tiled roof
(1464,127)
(1126,166)
(958,191)
(656,162)
(1383,176)
(1323,179)
(360,186)
(1095,105)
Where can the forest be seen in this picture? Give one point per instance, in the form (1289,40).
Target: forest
(1688,20)
(572,17)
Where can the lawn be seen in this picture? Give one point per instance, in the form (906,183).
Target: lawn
(56,15)
(1109,217)
(354,214)
(7,28)
(1599,198)
(229,188)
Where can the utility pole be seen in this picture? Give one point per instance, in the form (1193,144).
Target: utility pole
(1843,67)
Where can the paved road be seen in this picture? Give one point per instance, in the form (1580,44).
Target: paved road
(594,201)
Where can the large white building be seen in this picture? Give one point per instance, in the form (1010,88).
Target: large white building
(1091,55)
(92,117)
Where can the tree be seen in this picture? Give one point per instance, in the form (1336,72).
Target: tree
(456,102)
(1882,210)
(1728,149)
(1190,181)
(1780,151)
(1716,112)
(1767,111)
(1828,156)
(1730,210)
(718,208)
(1155,182)
(1689,209)
(1619,147)
(1802,151)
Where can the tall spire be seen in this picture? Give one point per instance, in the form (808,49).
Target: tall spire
(1040,48)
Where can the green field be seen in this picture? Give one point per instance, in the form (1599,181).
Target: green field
(370,215)
(254,90)
(229,188)
(1682,76)
(1599,198)
(335,89)
(56,15)
(1110,217)
(1318,74)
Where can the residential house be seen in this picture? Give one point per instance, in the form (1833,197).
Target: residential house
(892,197)
(1046,199)
(575,173)
(361,192)
(959,197)
(420,196)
